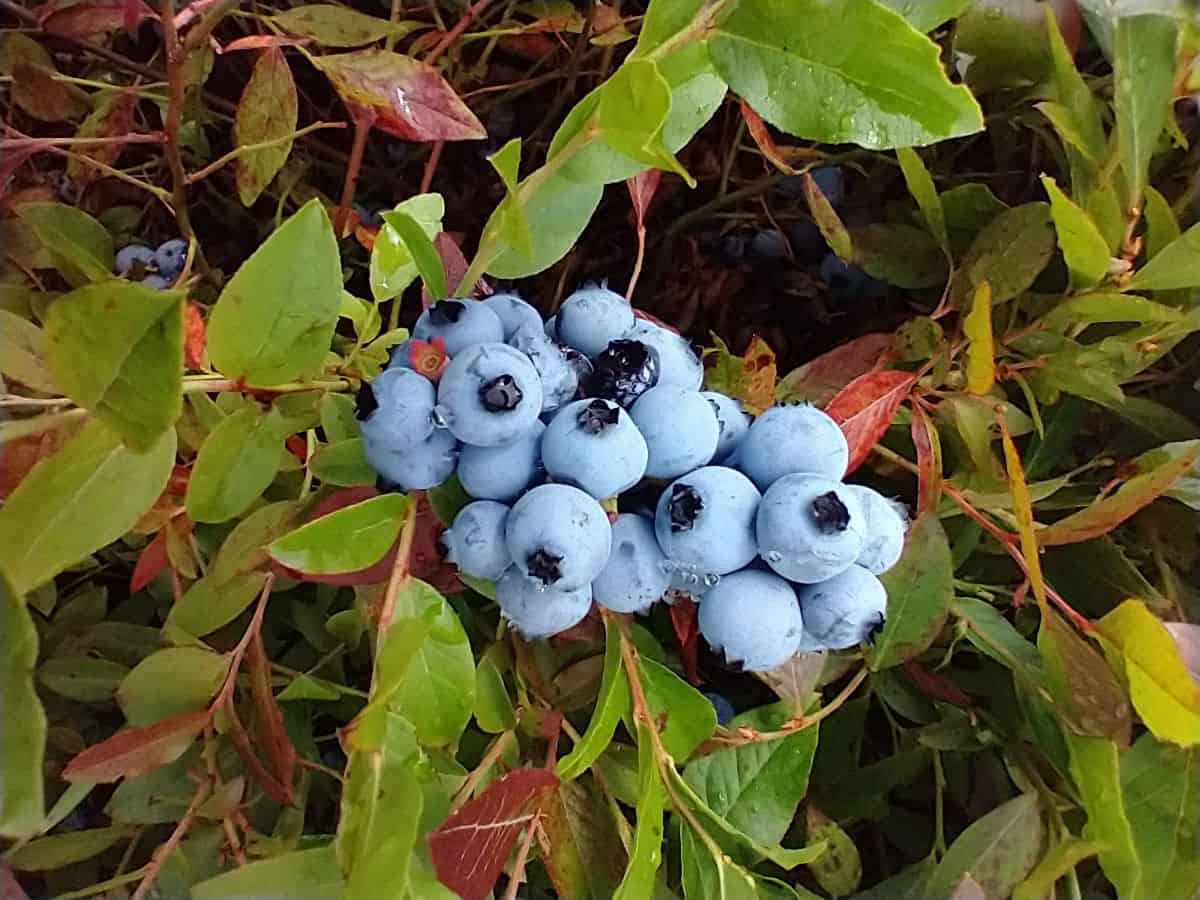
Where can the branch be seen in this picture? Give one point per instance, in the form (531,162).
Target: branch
(236,152)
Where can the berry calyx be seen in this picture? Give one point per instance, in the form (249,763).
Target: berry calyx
(365,402)
(597,416)
(685,506)
(447,312)
(830,513)
(501,394)
(544,566)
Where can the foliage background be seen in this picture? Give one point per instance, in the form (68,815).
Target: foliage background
(230,667)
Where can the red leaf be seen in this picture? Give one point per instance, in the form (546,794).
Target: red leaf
(642,188)
(194,336)
(865,408)
(412,100)
(136,751)
(151,561)
(933,685)
(425,558)
(818,380)
(19,456)
(683,619)
(280,750)
(455,266)
(262,42)
(94,17)
(297,446)
(929,460)
(470,848)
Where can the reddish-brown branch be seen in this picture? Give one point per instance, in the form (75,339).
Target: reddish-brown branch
(431,164)
(362,128)
(469,15)
(164,852)
(176,57)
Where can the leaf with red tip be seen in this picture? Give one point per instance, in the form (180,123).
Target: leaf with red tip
(687,632)
(263,42)
(929,460)
(934,685)
(865,408)
(780,157)
(410,98)
(470,848)
(818,380)
(455,265)
(95,17)
(642,188)
(136,751)
(151,561)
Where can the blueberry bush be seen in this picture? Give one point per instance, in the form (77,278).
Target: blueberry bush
(698,449)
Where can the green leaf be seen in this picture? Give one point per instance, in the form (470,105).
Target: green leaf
(689,716)
(299,875)
(24,352)
(632,110)
(1161,790)
(1089,309)
(274,319)
(756,787)
(920,589)
(921,186)
(832,228)
(646,855)
(1074,96)
(338,26)
(561,207)
(337,417)
(82,678)
(515,225)
(493,707)
(437,693)
(420,247)
(1083,246)
(926,15)
(60,850)
(83,497)
(1163,693)
(899,254)
(172,681)
(839,869)
(307,687)
(1095,770)
(23,737)
(447,500)
(117,349)
(236,463)
(392,268)
(611,703)
(346,540)
(1062,858)
(343,464)
(906,885)
(585,858)
(161,795)
(245,549)
(81,248)
(998,851)
(1177,265)
(1009,253)
(1161,225)
(1144,77)
(267,111)
(879,84)
(210,604)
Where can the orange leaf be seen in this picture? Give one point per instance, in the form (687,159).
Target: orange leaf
(929,460)
(780,157)
(280,750)
(193,336)
(865,408)
(136,751)
(683,620)
(642,188)
(151,561)
(818,380)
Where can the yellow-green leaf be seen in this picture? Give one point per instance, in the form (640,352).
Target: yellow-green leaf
(267,111)
(981,346)
(23,733)
(1083,246)
(347,540)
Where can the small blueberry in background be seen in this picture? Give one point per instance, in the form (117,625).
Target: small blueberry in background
(848,281)
(490,394)
(885,529)
(637,573)
(155,282)
(593,316)
(678,363)
(170,257)
(461,323)
(414,468)
(594,445)
(537,611)
(680,428)
(551,328)
(622,372)
(368,217)
(807,241)
(705,520)
(809,528)
(733,422)
(475,540)
(752,617)
(502,472)
(513,313)
(135,255)
(558,374)
(843,611)
(768,246)
(723,708)
(396,408)
(793,438)
(559,536)
(832,182)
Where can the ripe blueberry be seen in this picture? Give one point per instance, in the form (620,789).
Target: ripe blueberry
(170,257)
(752,617)
(415,468)
(594,445)
(705,520)
(536,611)
(844,610)
(593,316)
(636,574)
(559,535)
(395,409)
(503,472)
(513,313)
(134,261)
(885,530)
(680,428)
(793,438)
(475,540)
(490,394)
(733,422)
(678,364)
(809,529)
(462,323)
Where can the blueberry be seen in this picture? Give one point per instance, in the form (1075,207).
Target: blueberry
(680,428)
(622,372)
(849,282)
(134,260)
(733,422)
(398,356)
(678,364)
(551,328)
(637,573)
(885,529)
(170,257)
(414,468)
(461,322)
(475,540)
(559,535)
(490,394)
(513,313)
(753,618)
(832,182)
(809,528)
(593,316)
(807,241)
(844,610)
(156,282)
(538,612)
(769,246)
(705,520)
(594,445)
(395,409)
(503,472)
(731,249)
(793,438)
(723,708)
(558,374)
(368,217)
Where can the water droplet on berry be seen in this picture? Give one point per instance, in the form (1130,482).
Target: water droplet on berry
(711,579)
(667,566)
(774,556)
(440,417)
(692,578)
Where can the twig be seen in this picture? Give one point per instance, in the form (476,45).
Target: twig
(163,853)
(10,431)
(236,152)
(477,774)
(176,58)
(469,15)
(362,128)
(235,655)
(400,569)
(21,143)
(518,872)
(431,164)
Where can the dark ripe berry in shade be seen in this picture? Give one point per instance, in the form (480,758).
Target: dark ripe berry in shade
(830,513)
(365,402)
(501,394)
(721,706)
(685,505)
(807,241)
(597,416)
(768,246)
(622,372)
(446,312)
(546,567)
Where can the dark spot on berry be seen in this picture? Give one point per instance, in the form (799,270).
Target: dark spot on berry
(622,372)
(876,627)
(447,312)
(501,394)
(685,506)
(544,566)
(597,416)
(830,513)
(365,403)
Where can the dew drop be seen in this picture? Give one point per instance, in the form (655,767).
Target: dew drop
(774,556)
(440,417)
(711,579)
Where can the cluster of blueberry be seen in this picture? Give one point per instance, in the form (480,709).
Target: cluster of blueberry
(543,421)
(156,269)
